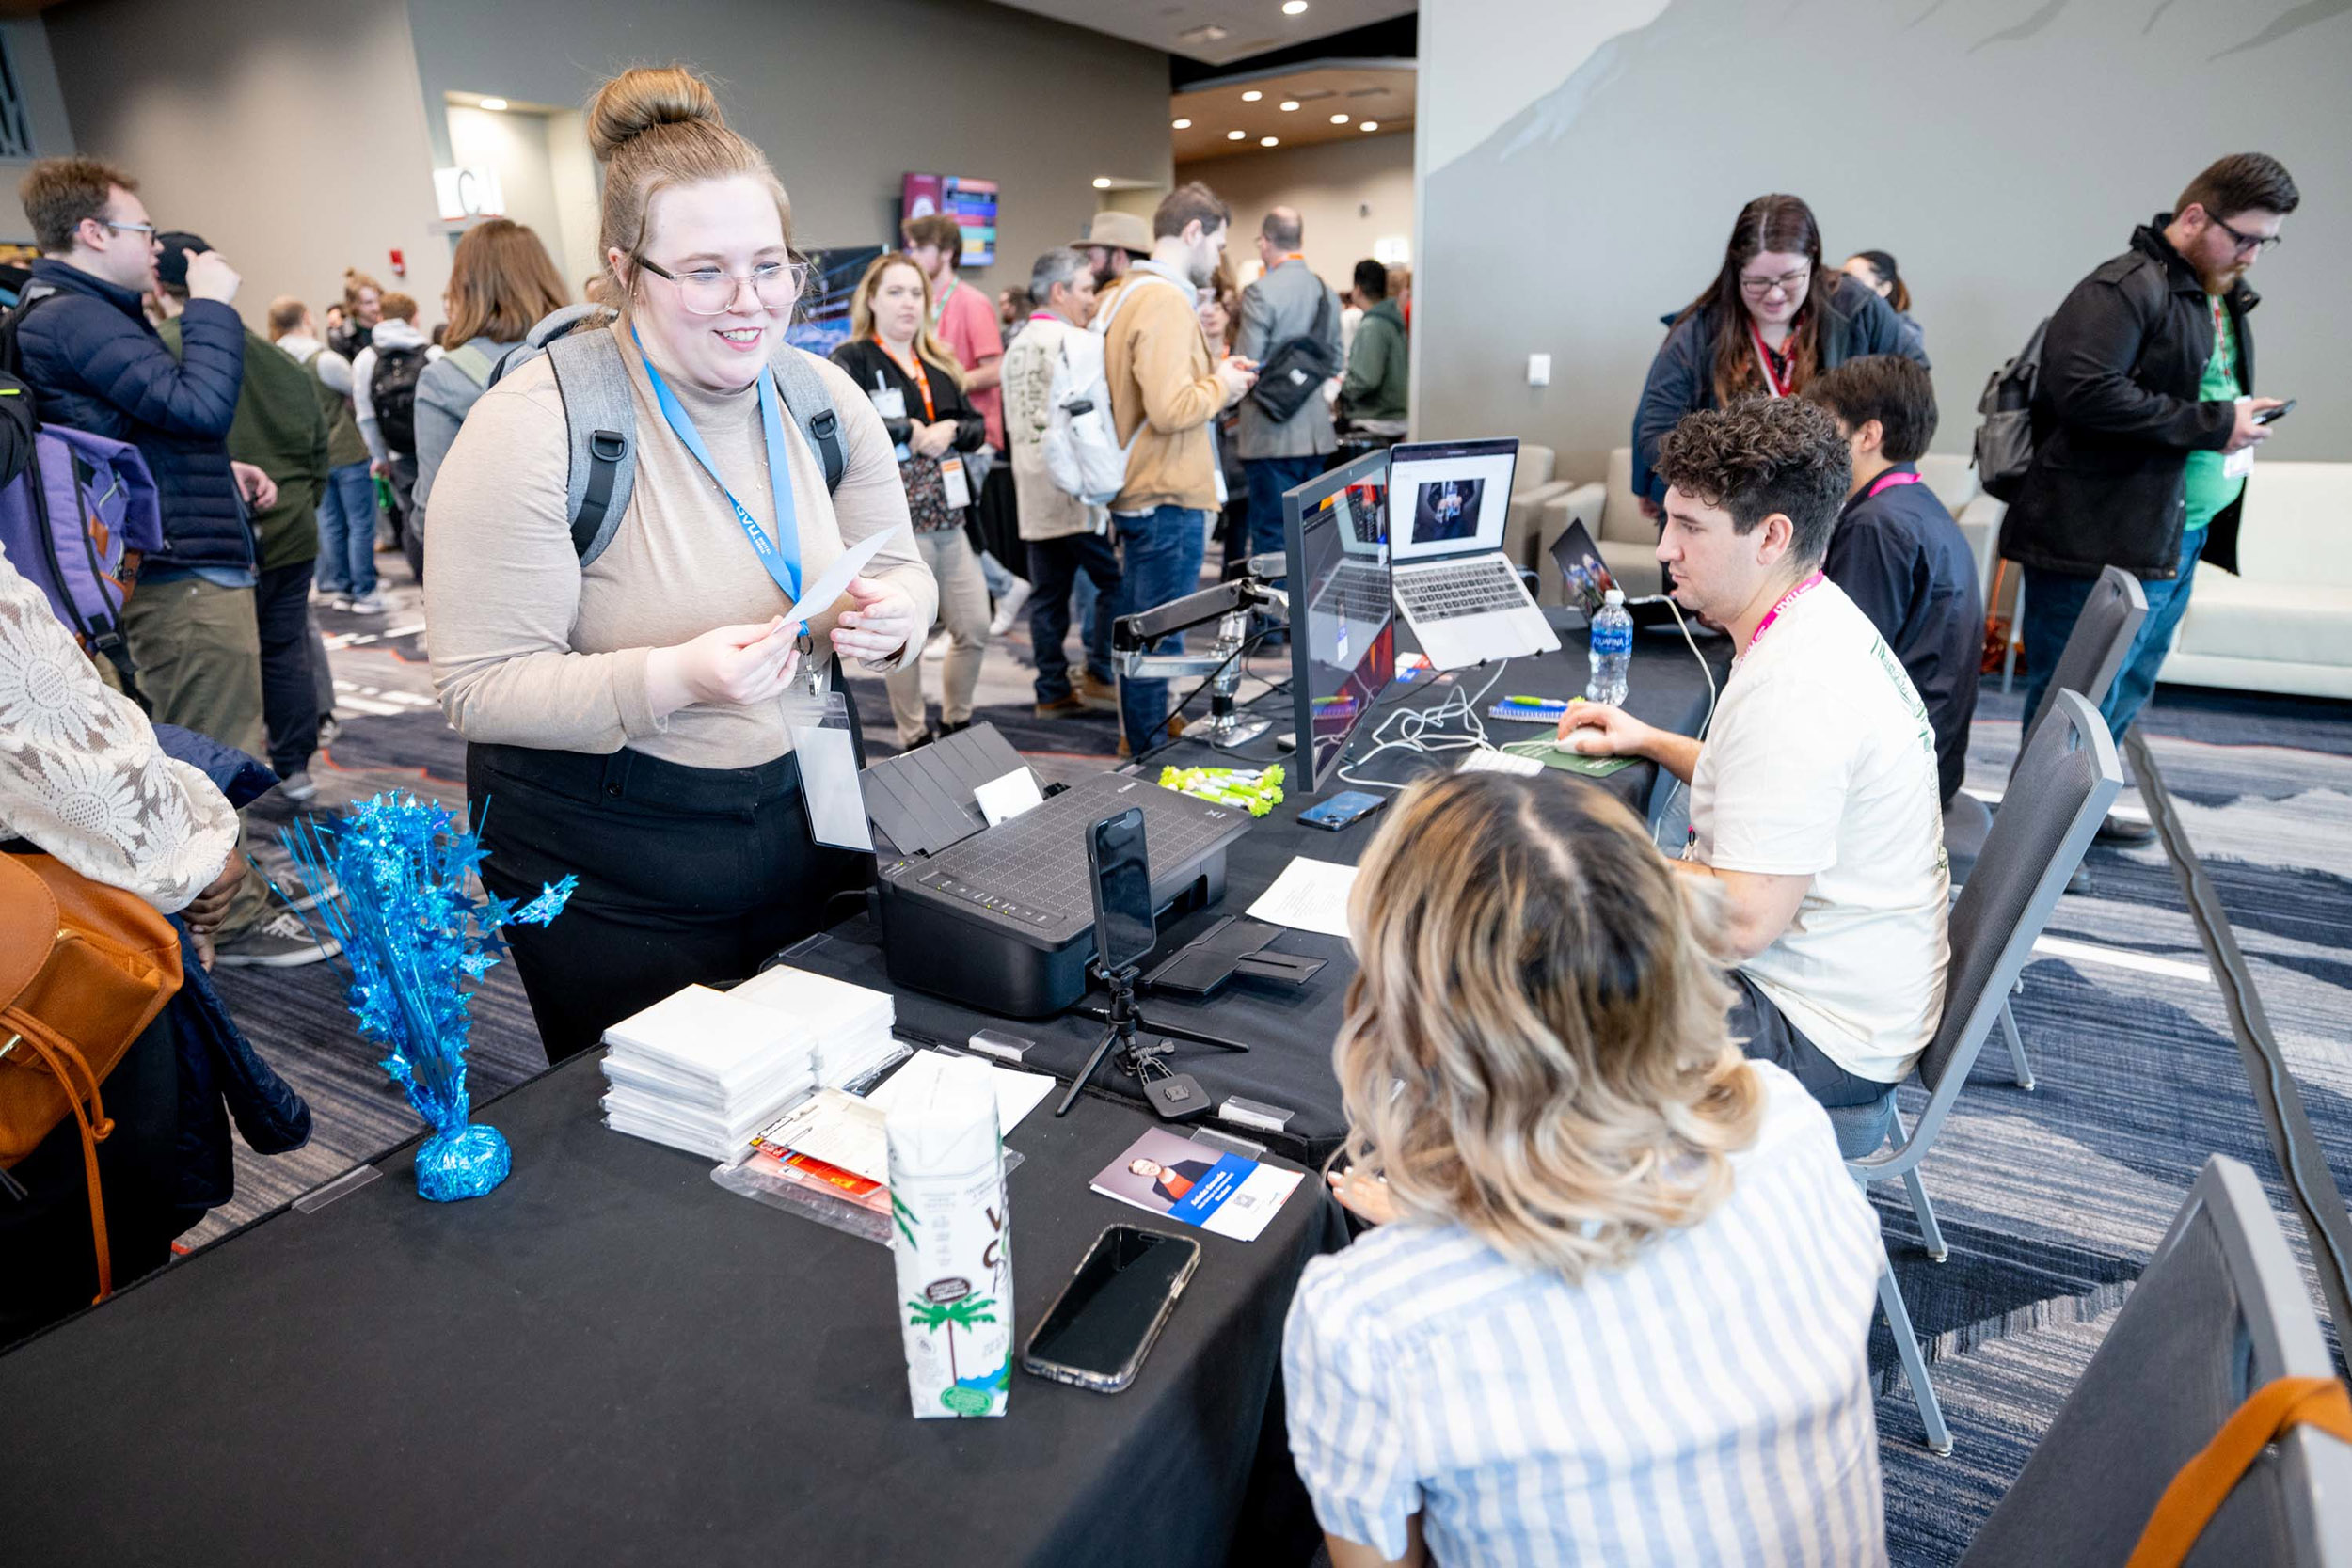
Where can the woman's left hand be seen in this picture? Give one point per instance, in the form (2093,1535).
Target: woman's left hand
(880,626)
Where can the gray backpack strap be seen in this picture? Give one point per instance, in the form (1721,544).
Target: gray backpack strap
(812,409)
(601,417)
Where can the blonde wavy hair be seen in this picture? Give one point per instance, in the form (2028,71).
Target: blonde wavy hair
(1535,1044)
(927,344)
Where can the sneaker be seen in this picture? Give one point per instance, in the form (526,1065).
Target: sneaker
(370,603)
(1009,609)
(1063,707)
(936,649)
(330,596)
(2126,831)
(296,895)
(281,942)
(330,728)
(296,786)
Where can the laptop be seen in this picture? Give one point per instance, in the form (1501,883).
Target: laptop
(1449,503)
(1584,578)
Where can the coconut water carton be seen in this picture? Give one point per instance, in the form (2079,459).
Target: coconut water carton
(948,1237)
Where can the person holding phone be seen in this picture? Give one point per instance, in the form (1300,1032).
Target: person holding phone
(628,720)
(1774,318)
(1613,1259)
(2145,428)
(914,383)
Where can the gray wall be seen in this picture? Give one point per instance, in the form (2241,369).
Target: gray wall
(1999,148)
(847,98)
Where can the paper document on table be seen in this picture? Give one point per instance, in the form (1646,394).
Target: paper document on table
(1017,1093)
(834,580)
(1309,895)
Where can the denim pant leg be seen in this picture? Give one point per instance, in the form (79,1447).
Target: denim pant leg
(2053,603)
(347,531)
(1269,477)
(332,574)
(2167,603)
(1053,564)
(1160,560)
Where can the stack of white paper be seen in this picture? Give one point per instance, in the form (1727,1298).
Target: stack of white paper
(848,1026)
(702,1071)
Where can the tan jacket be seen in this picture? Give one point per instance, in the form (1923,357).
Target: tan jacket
(1164,393)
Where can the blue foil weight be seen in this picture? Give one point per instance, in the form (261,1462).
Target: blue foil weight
(466,1162)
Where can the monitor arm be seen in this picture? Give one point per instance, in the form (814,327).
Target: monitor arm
(1229,604)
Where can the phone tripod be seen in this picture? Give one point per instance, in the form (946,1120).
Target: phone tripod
(1123,1018)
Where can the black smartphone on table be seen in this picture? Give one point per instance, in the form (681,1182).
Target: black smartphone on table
(1103,1324)
(1124,930)
(1348,806)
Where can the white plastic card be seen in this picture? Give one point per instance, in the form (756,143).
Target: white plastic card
(959,485)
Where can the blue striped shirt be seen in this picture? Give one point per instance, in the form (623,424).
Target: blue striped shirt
(1707,1404)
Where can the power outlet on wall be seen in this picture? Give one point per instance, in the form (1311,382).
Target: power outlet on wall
(1539,370)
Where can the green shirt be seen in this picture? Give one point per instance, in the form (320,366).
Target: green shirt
(2208,491)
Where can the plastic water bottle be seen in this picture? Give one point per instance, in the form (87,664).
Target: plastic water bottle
(1611,650)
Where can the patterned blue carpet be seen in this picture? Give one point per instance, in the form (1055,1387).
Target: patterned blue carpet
(2051,1200)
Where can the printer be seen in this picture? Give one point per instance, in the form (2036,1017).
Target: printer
(1002,918)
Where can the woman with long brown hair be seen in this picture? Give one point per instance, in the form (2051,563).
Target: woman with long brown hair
(501,283)
(1618,1302)
(1774,318)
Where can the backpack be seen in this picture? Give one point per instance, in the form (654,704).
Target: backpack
(600,415)
(1081,447)
(2005,442)
(393,391)
(1296,368)
(73,506)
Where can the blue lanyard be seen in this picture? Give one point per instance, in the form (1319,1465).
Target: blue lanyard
(781,555)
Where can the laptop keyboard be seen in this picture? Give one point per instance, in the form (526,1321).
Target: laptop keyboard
(1357,591)
(1474,588)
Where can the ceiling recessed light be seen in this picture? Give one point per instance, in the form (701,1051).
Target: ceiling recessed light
(1251,96)
(1368,125)
(1339,119)
(1294,8)
(1288,104)
(1102,182)
(1269,141)
(494,102)
(1236,136)
(1180,124)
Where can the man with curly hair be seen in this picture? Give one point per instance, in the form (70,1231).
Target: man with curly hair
(1814,800)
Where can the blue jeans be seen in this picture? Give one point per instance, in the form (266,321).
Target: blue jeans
(2052,605)
(1268,478)
(1160,553)
(347,532)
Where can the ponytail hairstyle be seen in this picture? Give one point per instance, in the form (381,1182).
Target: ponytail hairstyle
(1897,292)
(1781,224)
(926,344)
(653,127)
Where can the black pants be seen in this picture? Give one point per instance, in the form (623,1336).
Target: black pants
(1054,568)
(1765,1033)
(289,697)
(686,875)
(48,1262)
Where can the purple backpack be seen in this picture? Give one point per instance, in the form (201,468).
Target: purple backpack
(66,520)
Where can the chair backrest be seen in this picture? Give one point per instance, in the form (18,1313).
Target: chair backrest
(2220,1311)
(1621,509)
(2095,648)
(1534,469)
(2056,802)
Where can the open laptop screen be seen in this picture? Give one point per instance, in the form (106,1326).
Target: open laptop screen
(1450,498)
(1583,576)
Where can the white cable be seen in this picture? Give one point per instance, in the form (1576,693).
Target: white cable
(1414,727)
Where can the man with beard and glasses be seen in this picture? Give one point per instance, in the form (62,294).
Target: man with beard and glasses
(1166,387)
(2145,427)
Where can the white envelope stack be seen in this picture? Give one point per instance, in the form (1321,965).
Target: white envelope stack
(848,1026)
(702,1071)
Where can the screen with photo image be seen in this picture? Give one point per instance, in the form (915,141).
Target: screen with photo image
(1584,577)
(1459,495)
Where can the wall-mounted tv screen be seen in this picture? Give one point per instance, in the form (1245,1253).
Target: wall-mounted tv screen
(971,202)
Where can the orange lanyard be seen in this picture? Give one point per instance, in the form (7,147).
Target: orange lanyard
(922,381)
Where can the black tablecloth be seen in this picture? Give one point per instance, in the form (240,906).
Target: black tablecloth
(1289,1029)
(612,1360)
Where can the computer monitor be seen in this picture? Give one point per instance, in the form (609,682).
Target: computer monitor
(1452,497)
(1335,528)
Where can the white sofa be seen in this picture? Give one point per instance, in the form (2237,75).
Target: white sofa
(2283,621)
(1532,486)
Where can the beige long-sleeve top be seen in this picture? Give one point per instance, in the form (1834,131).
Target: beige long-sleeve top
(531,649)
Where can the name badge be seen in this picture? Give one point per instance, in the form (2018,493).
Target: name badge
(889,401)
(2238,464)
(958,487)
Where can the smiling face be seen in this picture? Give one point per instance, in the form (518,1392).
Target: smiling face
(723,225)
(1774,284)
(367,307)
(899,302)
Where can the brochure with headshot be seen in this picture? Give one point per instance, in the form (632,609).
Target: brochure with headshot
(1194,1184)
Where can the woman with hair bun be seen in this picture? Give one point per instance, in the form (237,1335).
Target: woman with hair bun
(627,716)
(1617,1307)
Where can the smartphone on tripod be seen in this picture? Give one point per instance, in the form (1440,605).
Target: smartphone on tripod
(1124,931)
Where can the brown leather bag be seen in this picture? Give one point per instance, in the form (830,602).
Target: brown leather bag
(84,970)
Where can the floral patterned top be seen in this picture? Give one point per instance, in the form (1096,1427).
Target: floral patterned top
(81,774)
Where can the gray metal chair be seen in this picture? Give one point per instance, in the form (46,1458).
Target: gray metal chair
(2222,1310)
(2033,847)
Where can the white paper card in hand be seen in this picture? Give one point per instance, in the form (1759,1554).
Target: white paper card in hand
(1002,800)
(819,596)
(1309,895)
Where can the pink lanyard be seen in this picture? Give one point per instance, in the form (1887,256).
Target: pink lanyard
(1890,479)
(1785,600)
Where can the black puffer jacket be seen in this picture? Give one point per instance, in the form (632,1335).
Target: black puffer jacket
(96,365)
(2117,414)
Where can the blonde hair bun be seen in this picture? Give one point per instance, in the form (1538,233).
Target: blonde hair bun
(638,100)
